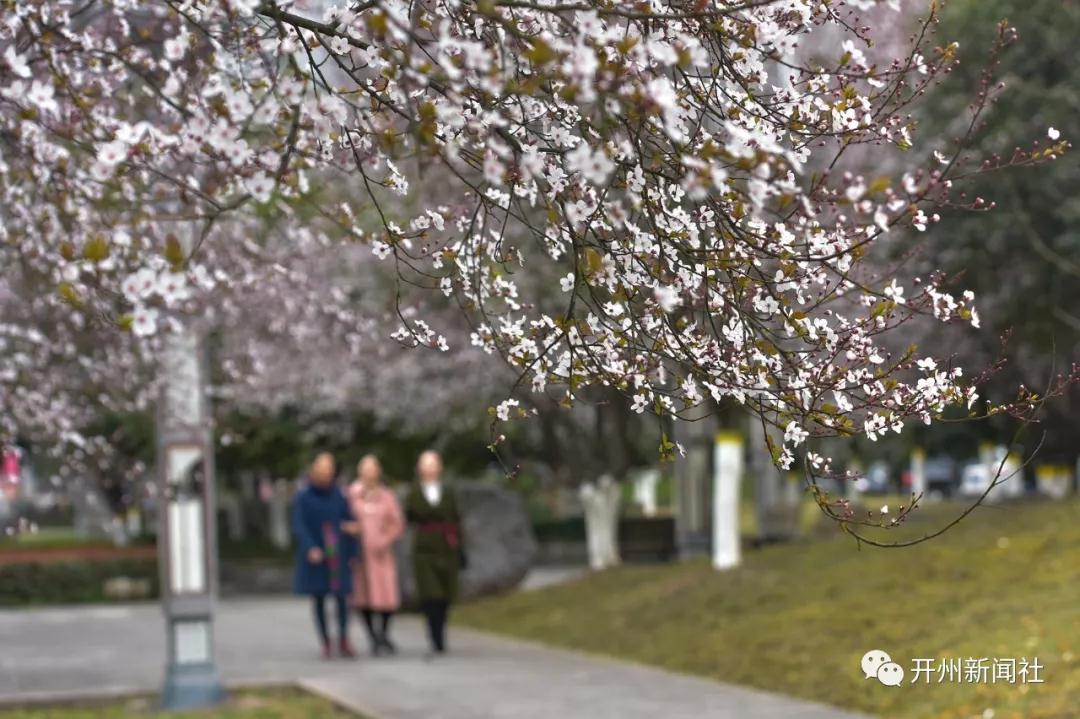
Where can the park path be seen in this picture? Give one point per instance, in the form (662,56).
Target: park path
(107,650)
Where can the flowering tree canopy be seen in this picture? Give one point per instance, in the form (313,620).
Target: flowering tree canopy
(654,197)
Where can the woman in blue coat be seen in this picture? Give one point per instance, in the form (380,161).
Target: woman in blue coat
(324,550)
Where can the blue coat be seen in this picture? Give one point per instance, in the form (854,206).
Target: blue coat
(317,515)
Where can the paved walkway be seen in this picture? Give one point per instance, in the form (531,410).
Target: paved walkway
(540,577)
(73,652)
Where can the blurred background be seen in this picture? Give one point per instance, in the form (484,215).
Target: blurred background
(804,600)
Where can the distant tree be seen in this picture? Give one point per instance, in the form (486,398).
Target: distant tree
(1022,259)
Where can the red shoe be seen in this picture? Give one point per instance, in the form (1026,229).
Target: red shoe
(326,650)
(346,649)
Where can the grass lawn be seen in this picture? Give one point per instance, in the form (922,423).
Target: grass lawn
(51,538)
(797,618)
(248,704)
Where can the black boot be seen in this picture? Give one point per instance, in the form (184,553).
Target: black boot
(374,641)
(384,633)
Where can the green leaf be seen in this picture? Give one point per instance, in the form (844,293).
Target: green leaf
(96,249)
(174,253)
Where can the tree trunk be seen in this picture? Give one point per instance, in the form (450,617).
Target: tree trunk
(279,514)
(93,517)
(728,462)
(645,482)
(693,483)
(230,504)
(601,504)
(776,509)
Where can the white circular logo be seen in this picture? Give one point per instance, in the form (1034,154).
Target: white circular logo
(872,661)
(878,664)
(890,674)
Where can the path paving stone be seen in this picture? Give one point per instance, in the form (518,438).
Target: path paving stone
(99,651)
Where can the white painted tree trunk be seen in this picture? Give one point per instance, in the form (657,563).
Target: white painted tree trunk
(1064,481)
(645,491)
(1004,468)
(279,514)
(1013,474)
(727,476)
(601,504)
(854,479)
(134,521)
(92,517)
(990,470)
(1054,480)
(918,472)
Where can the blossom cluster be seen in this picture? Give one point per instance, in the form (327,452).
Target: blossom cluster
(664,198)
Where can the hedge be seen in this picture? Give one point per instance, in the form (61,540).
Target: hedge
(570,529)
(71,582)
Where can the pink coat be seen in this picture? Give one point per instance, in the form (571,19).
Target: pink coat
(375,578)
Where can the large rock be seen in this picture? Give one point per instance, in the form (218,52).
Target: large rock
(499,542)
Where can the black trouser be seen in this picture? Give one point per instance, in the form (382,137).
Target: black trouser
(319,604)
(377,634)
(436,611)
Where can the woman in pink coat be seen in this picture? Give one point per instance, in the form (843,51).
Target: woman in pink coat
(378,523)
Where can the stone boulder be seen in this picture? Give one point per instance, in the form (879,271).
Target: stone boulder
(499,542)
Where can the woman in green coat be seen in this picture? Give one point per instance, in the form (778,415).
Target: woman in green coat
(438,545)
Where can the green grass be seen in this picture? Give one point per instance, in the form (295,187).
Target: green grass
(797,618)
(248,704)
(51,538)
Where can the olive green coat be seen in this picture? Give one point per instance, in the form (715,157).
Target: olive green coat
(435,560)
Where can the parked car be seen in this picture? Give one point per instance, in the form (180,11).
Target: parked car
(878,479)
(942,477)
(977,477)
(974,479)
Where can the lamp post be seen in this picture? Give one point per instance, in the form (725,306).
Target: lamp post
(187,535)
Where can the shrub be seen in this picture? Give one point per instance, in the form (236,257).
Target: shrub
(71,581)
